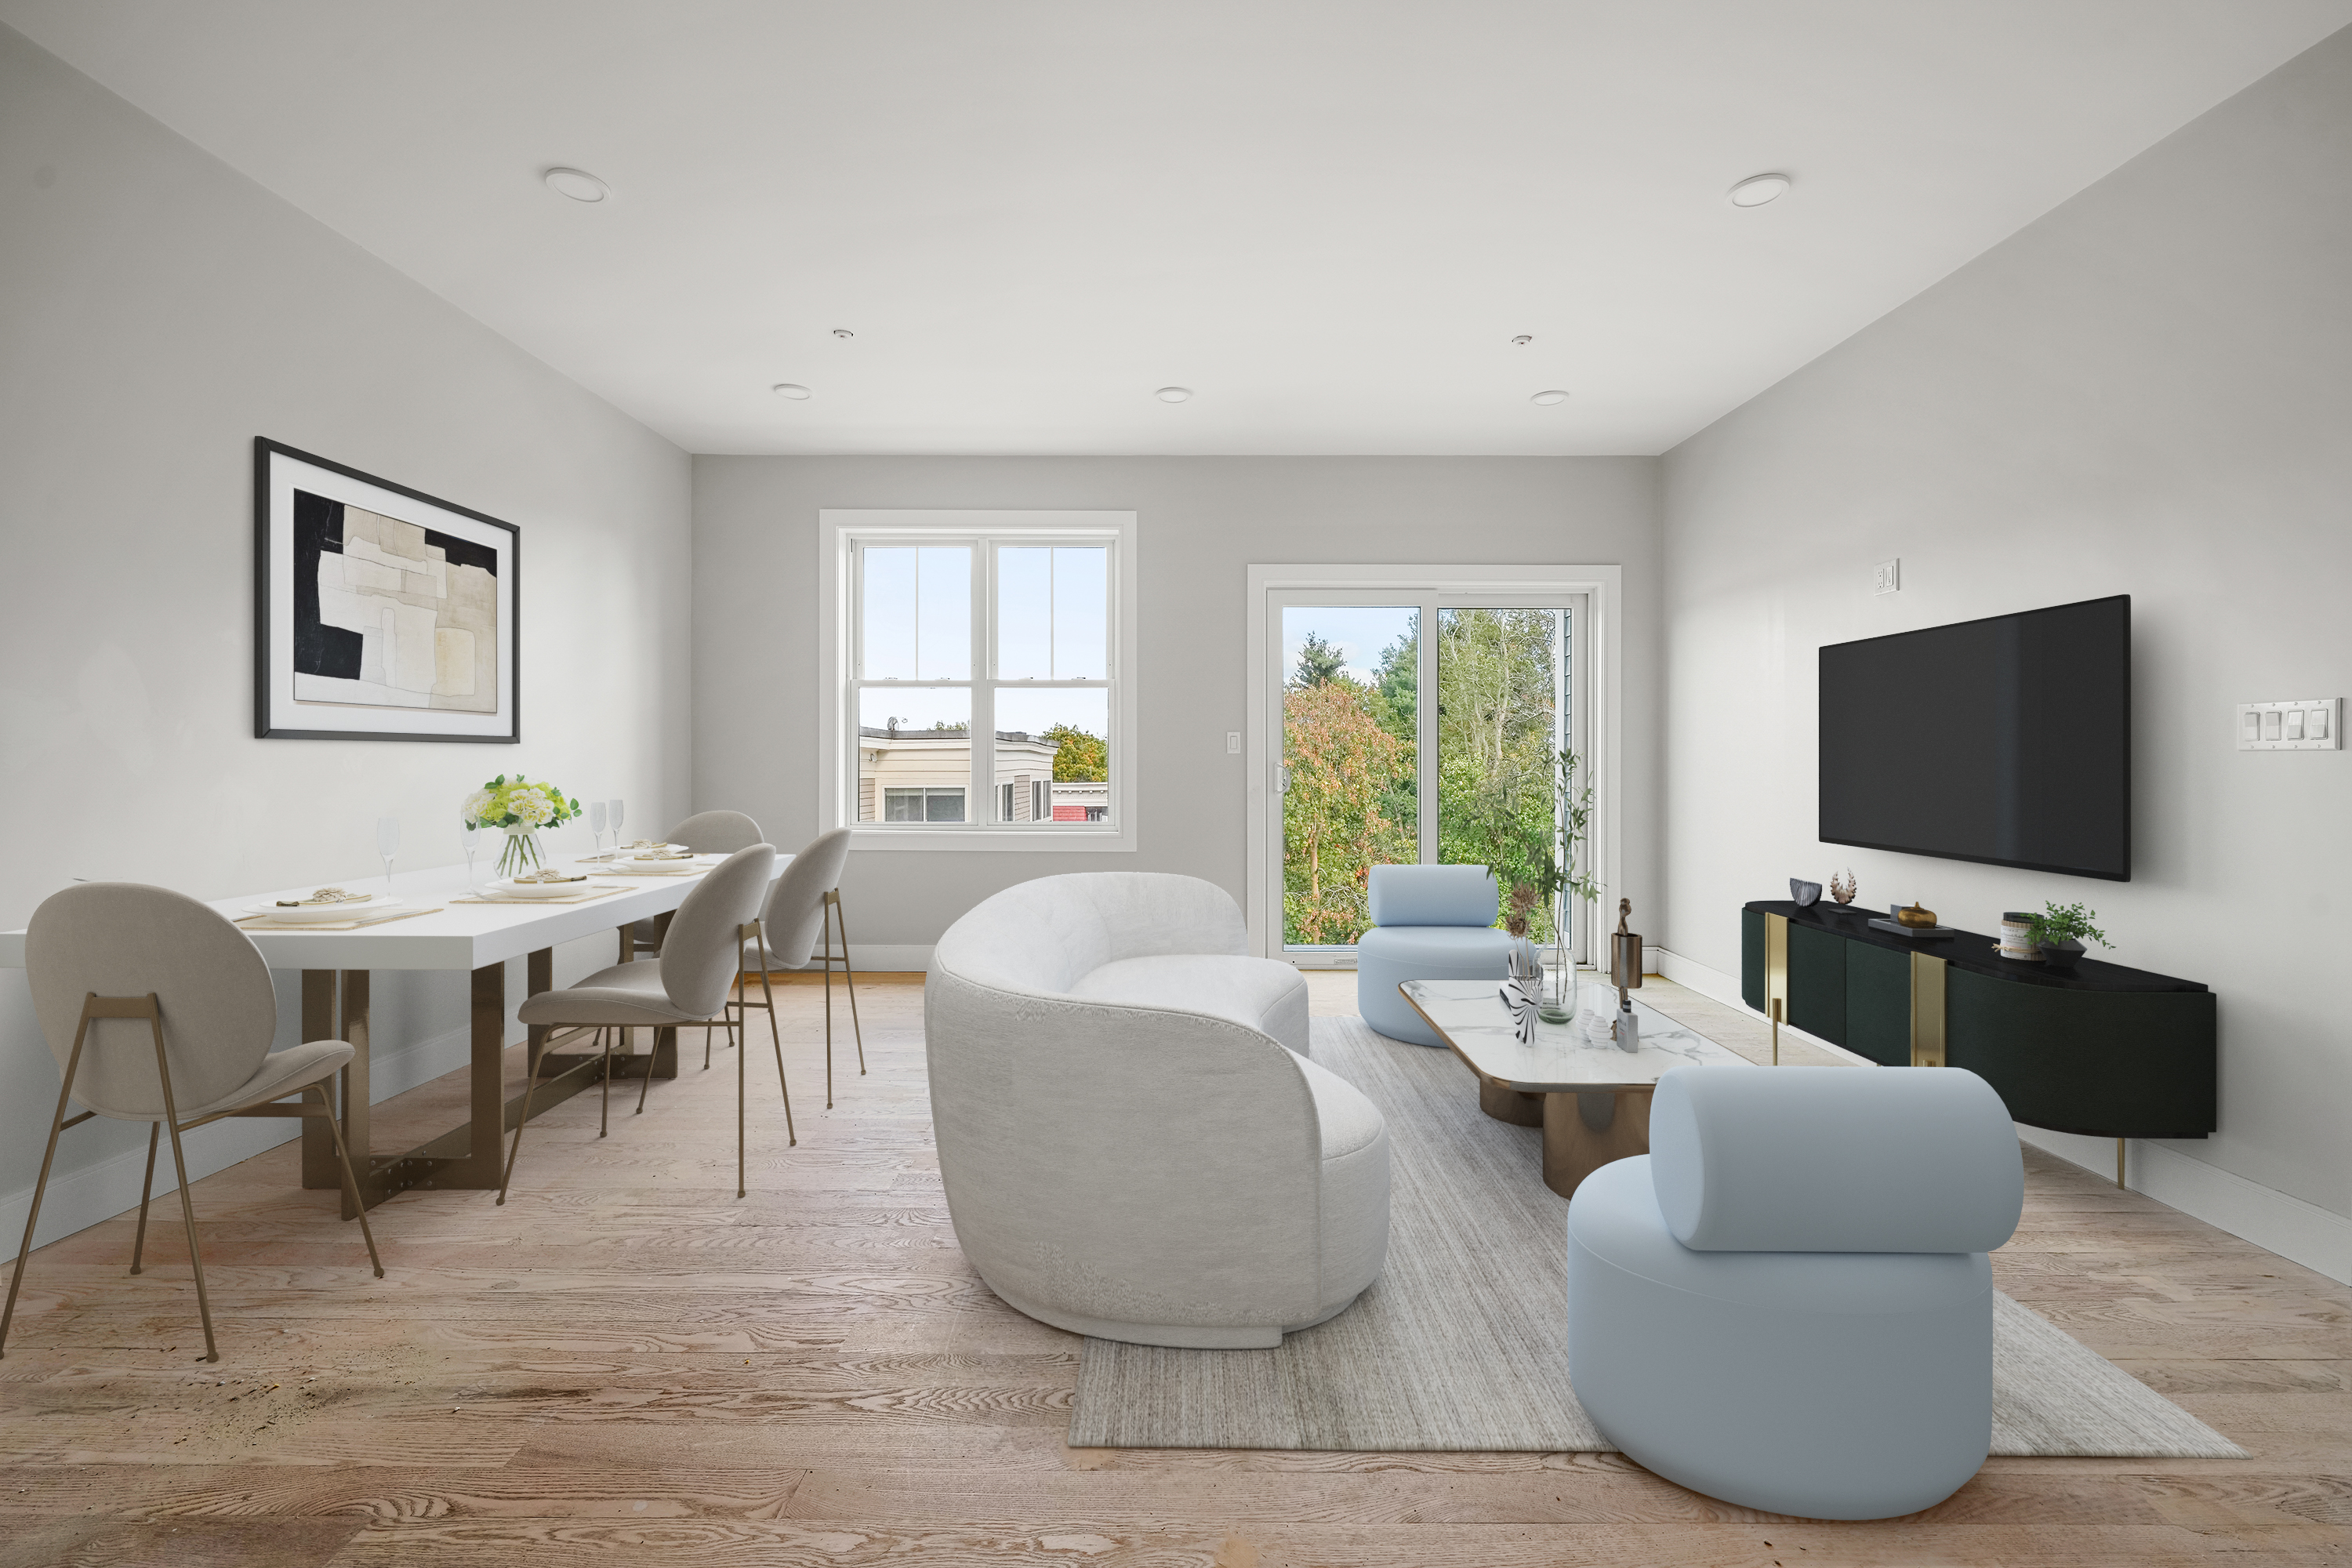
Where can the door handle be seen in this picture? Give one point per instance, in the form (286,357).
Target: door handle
(1281,780)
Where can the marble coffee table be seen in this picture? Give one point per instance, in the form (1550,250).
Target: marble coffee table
(1591,1100)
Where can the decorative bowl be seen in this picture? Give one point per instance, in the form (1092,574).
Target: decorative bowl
(1806,893)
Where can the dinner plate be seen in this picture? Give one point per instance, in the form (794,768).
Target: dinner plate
(507,887)
(311,914)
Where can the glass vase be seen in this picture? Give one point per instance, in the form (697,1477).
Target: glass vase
(1560,999)
(521,852)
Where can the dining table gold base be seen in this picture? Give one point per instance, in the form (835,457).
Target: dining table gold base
(335,1007)
(1585,1130)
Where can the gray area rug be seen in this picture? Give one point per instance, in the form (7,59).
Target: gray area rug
(1461,1344)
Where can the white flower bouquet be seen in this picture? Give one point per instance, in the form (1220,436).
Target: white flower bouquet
(523,808)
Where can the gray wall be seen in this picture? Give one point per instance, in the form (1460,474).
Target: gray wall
(1200,521)
(2146,391)
(157,312)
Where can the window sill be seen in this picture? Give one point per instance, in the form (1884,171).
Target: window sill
(1086,841)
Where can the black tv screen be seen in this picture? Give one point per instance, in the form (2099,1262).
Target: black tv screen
(2006,740)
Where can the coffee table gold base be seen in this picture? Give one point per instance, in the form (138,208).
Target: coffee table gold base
(1510,1105)
(1583,1131)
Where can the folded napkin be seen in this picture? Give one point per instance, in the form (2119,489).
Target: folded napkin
(325,895)
(550,876)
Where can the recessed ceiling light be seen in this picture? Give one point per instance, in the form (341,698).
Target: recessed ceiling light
(577,184)
(1522,340)
(842,333)
(1548,398)
(1173,394)
(791,389)
(1756,189)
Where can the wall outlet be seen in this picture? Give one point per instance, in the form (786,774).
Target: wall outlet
(1888,578)
(1232,742)
(2302,725)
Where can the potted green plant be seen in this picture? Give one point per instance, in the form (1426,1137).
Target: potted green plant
(2059,931)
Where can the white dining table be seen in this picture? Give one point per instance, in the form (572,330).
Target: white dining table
(477,938)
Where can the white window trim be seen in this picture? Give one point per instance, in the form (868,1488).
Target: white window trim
(837,533)
(1602,693)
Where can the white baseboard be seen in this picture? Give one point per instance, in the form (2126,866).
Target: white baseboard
(2300,1232)
(885,958)
(85,1196)
(1717,986)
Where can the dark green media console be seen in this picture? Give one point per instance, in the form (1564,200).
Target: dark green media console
(2104,1050)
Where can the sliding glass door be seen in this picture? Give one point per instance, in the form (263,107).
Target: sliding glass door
(1429,729)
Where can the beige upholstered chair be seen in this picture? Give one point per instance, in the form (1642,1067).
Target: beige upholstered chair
(802,914)
(691,983)
(160,1010)
(705,833)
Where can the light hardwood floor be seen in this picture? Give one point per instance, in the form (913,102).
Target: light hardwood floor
(626,1365)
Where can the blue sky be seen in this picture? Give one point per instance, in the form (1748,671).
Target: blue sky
(1358,632)
(1052,623)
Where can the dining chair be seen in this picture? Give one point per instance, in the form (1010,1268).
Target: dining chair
(699,970)
(705,833)
(159,1009)
(803,911)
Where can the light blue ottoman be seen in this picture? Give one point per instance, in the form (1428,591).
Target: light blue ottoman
(1430,923)
(1787,1304)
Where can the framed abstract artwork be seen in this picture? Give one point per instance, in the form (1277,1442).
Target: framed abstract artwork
(381,613)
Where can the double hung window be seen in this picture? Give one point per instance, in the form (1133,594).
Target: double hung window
(981,692)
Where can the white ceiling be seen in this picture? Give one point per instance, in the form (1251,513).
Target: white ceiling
(1330,218)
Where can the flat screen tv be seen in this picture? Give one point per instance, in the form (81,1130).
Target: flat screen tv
(2006,740)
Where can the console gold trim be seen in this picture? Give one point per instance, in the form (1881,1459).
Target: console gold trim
(1927,1010)
(1776,976)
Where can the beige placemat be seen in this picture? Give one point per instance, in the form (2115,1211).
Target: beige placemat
(263,923)
(587,895)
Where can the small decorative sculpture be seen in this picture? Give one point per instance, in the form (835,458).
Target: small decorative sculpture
(1913,918)
(1626,974)
(1843,889)
(1805,893)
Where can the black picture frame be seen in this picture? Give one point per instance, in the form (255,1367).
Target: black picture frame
(295,649)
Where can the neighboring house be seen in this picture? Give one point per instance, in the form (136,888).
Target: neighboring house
(1081,801)
(924,775)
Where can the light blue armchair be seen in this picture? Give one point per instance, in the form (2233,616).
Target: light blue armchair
(1786,1303)
(1431,923)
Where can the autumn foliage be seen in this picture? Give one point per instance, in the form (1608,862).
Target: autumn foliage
(1342,763)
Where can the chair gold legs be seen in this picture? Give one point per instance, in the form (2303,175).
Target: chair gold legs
(350,1177)
(180,1163)
(775,1035)
(148,1008)
(146,1187)
(604,1099)
(529,1081)
(653,1049)
(831,919)
(849,980)
(41,1185)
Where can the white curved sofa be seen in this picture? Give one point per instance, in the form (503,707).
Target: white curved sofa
(1133,1142)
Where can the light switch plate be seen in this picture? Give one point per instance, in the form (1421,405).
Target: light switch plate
(1889,577)
(2303,724)
(1232,742)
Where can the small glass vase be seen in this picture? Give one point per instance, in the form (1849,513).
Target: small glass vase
(1558,1002)
(521,852)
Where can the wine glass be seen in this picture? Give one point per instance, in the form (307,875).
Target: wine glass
(596,826)
(617,823)
(387,845)
(471,835)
